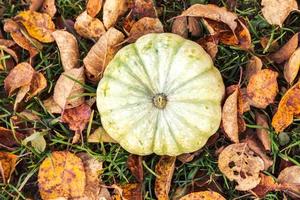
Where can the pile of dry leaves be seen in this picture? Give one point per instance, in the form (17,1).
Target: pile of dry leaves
(76,176)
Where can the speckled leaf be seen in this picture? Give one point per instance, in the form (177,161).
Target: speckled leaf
(7,165)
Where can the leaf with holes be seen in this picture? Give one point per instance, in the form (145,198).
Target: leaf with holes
(237,162)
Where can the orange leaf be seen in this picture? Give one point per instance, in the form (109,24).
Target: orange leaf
(49,7)
(132,191)
(266,185)
(253,66)
(288,107)
(205,195)
(7,165)
(262,88)
(291,68)
(93,7)
(164,170)
(38,25)
(112,10)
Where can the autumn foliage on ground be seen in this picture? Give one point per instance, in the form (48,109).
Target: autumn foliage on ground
(53,54)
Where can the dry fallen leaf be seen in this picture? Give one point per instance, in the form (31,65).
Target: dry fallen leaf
(35,4)
(164,170)
(21,38)
(101,53)
(77,118)
(38,83)
(93,7)
(179,27)
(38,25)
(132,191)
(286,50)
(51,106)
(272,47)
(237,162)
(230,117)
(266,185)
(210,44)
(7,166)
(135,165)
(203,195)
(100,135)
(19,76)
(9,51)
(21,95)
(194,27)
(8,138)
(144,26)
(68,89)
(255,145)
(262,88)
(253,66)
(112,10)
(143,8)
(93,189)
(49,7)
(263,133)
(61,175)
(289,106)
(213,12)
(291,68)
(68,49)
(276,11)
(88,27)
(290,179)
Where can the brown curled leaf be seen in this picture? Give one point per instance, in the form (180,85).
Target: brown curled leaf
(203,195)
(179,27)
(93,7)
(291,68)
(266,185)
(143,8)
(253,66)
(8,163)
(88,27)
(112,10)
(289,178)
(289,106)
(135,165)
(237,162)
(38,25)
(262,88)
(101,53)
(144,26)
(164,169)
(68,48)
(9,139)
(100,135)
(49,7)
(19,76)
(68,89)
(35,4)
(285,52)
(210,44)
(212,12)
(51,106)
(38,84)
(263,133)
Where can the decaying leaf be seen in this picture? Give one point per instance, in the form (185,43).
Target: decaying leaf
(21,95)
(164,170)
(100,135)
(132,191)
(204,195)
(61,175)
(237,162)
(276,11)
(289,106)
(262,88)
(19,76)
(93,7)
(263,133)
(8,138)
(68,48)
(77,118)
(20,37)
(179,27)
(38,25)
(112,10)
(253,66)
(194,27)
(7,166)
(266,185)
(285,52)
(213,12)
(88,27)
(135,165)
(210,44)
(101,53)
(93,169)
(291,68)
(49,7)
(144,26)
(290,179)
(188,157)
(38,83)
(230,117)
(255,145)
(51,106)
(68,89)
(143,8)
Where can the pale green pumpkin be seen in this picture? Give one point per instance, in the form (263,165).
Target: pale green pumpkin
(161,95)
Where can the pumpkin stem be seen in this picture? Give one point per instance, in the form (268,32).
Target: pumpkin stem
(160,100)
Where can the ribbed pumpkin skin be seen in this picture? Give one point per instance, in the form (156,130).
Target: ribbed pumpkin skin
(161,63)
